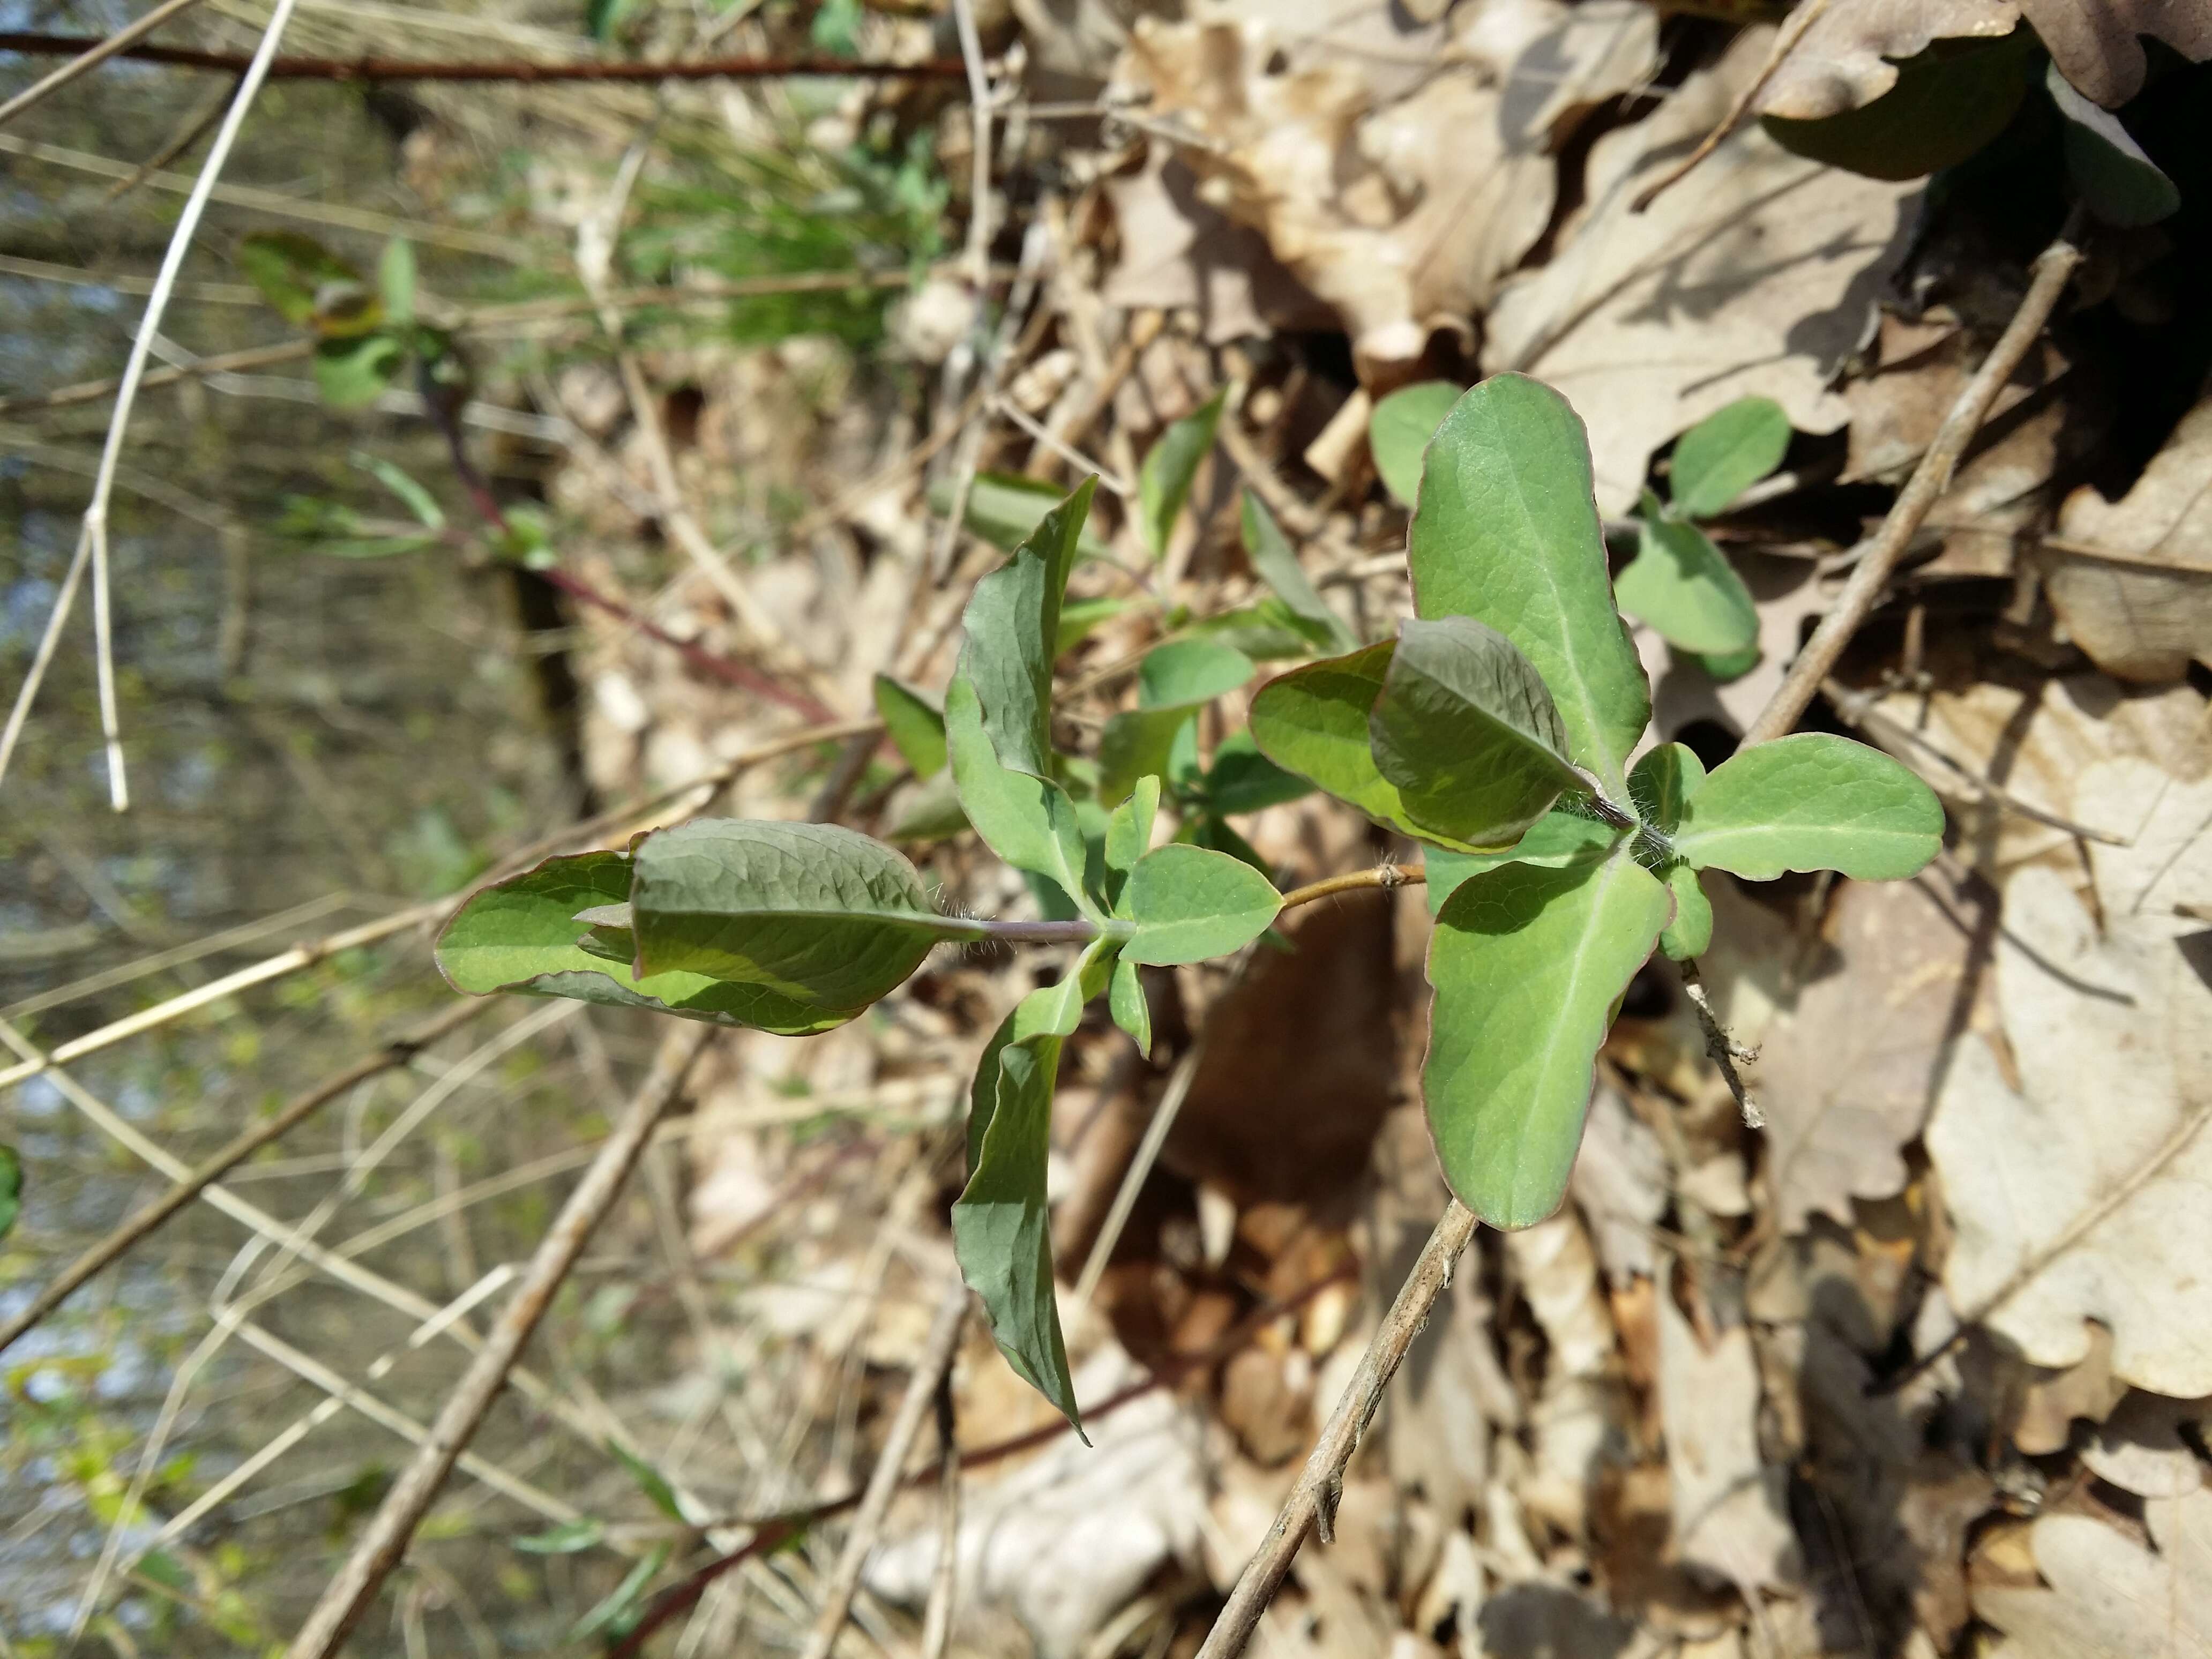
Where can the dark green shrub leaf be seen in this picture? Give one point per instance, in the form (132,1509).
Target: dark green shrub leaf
(1661,784)
(1507,532)
(522,935)
(1000,1226)
(1399,431)
(1692,930)
(301,277)
(1814,801)
(356,370)
(1528,963)
(2121,185)
(1242,779)
(814,912)
(1468,734)
(1948,101)
(1726,454)
(1012,626)
(583,1533)
(914,724)
(1189,904)
(11,1187)
(1561,837)
(1163,481)
(1125,1001)
(1686,590)
(1277,563)
(1006,509)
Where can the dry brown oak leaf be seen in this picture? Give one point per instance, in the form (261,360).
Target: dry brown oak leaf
(2108,1596)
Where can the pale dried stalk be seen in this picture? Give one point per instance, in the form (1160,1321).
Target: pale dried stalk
(935,1363)
(129,35)
(92,542)
(387,1535)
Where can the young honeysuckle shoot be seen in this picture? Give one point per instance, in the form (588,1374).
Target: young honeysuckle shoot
(1497,727)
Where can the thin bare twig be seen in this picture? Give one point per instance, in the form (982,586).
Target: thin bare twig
(944,1591)
(932,1368)
(399,1052)
(1722,1049)
(387,1535)
(91,53)
(1800,23)
(2054,268)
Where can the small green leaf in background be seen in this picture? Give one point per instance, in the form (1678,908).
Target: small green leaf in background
(1561,837)
(914,724)
(1948,101)
(2120,184)
(1277,564)
(930,811)
(522,935)
(1313,721)
(11,1187)
(305,283)
(1079,618)
(1399,429)
(1726,454)
(1129,835)
(1006,508)
(583,1533)
(1190,671)
(1189,904)
(1242,779)
(618,1613)
(1001,1231)
(1686,590)
(1468,734)
(601,17)
(1126,1001)
(395,282)
(1661,784)
(417,500)
(814,912)
(1528,963)
(1507,532)
(1692,930)
(1163,481)
(1268,630)
(1814,801)
(650,1481)
(1730,665)
(356,370)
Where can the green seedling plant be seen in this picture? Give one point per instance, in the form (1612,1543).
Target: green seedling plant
(1495,729)
(1679,585)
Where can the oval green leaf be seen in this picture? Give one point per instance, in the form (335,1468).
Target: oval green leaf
(1686,590)
(1467,734)
(1242,779)
(1163,481)
(1028,821)
(1726,454)
(1692,930)
(1277,563)
(1507,531)
(915,725)
(1399,431)
(1561,837)
(1012,625)
(1314,721)
(1661,782)
(1006,509)
(1188,904)
(814,912)
(1190,672)
(2120,183)
(1814,801)
(1528,963)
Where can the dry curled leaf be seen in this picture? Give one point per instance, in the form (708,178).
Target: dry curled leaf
(2131,579)
(1756,274)
(2095,43)
(2108,1596)
(2141,1447)
(1729,1514)
(2084,1193)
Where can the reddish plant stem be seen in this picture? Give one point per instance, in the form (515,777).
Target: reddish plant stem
(524,73)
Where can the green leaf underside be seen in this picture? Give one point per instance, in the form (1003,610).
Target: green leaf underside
(814,912)
(1163,481)
(1466,731)
(1242,779)
(1662,781)
(2121,185)
(1277,563)
(1399,429)
(1013,624)
(1129,835)
(1528,963)
(1692,930)
(1314,721)
(1730,666)
(1686,590)
(1030,822)
(1126,1001)
(1814,801)
(520,935)
(1948,102)
(1006,509)
(1561,837)
(1001,1230)
(1190,672)
(1189,904)
(915,725)
(1507,531)
(1726,454)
